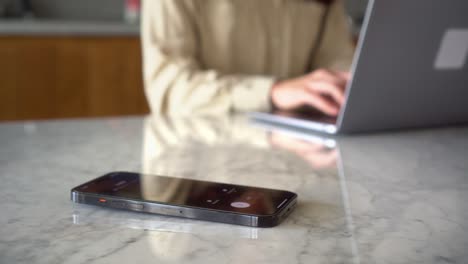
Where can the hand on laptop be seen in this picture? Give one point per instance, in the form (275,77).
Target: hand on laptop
(321,89)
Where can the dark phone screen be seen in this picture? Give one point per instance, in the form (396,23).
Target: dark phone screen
(186,192)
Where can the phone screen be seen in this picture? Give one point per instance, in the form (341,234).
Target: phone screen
(187,192)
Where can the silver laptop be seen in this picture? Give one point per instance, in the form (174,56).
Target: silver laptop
(410,70)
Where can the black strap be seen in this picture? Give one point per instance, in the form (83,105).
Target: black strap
(325,2)
(321,32)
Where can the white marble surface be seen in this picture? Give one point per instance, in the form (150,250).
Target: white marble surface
(383,198)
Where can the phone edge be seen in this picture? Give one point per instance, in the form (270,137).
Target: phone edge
(196,213)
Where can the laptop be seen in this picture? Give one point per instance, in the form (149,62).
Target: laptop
(410,70)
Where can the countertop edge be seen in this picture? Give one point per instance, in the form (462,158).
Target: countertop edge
(66,28)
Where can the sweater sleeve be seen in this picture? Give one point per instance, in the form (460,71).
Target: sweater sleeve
(176,84)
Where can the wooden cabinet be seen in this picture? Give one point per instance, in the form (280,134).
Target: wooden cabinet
(61,77)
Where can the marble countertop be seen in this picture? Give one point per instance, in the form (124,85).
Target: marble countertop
(47,27)
(380,198)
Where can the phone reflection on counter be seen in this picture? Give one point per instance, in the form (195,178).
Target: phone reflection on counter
(164,153)
(231,149)
(318,155)
(216,196)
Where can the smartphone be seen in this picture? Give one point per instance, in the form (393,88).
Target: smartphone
(202,200)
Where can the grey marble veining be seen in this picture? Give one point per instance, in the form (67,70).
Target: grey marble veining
(383,198)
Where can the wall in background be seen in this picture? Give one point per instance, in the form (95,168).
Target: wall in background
(108,10)
(113,9)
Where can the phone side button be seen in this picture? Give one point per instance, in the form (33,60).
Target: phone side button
(118,204)
(135,206)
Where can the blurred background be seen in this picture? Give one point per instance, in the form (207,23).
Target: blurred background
(68,58)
